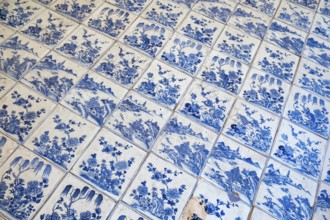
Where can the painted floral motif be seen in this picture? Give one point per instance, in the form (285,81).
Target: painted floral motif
(324,7)
(321,26)
(312,4)
(267,7)
(219,10)
(322,209)
(318,51)
(135,6)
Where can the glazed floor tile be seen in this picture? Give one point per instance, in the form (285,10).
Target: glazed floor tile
(164,109)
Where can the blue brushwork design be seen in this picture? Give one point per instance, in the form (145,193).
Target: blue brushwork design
(217,12)
(323,203)
(131,5)
(3,141)
(322,56)
(325,8)
(265,6)
(296,17)
(311,4)
(188,3)
(75,9)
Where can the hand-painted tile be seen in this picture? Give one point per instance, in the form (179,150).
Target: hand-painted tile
(201,28)
(53,76)
(295,15)
(123,212)
(7,146)
(185,54)
(237,44)
(251,126)
(19,54)
(160,190)
(62,137)
(5,84)
(207,105)
(26,182)
(110,20)
(76,9)
(109,163)
(267,7)
(321,27)
(299,149)
(324,7)
(49,28)
(187,3)
(276,61)
(146,37)
(257,214)
(322,208)
(122,64)
(311,4)
(94,98)
(46,2)
(74,199)
(250,21)
(138,120)
(166,13)
(223,71)
(21,111)
(135,6)
(265,90)
(309,111)
(16,13)
(286,37)
(313,77)
(84,46)
(318,51)
(235,168)
(5,33)
(285,193)
(185,143)
(326,168)
(163,84)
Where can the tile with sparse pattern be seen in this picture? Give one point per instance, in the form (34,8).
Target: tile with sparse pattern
(6,32)
(6,84)
(7,146)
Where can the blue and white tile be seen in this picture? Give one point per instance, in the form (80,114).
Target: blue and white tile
(309,111)
(184,54)
(160,190)
(163,84)
(276,61)
(286,37)
(249,21)
(187,3)
(235,168)
(6,32)
(94,98)
(201,28)
(134,6)
(321,26)
(54,76)
(84,46)
(109,163)
(19,54)
(138,120)
(237,44)
(324,7)
(6,84)
(224,72)
(257,214)
(7,147)
(74,199)
(206,105)
(265,90)
(185,143)
(322,207)
(146,36)
(49,28)
(122,212)
(310,4)
(299,149)
(46,2)
(110,20)
(62,137)
(26,183)
(21,112)
(267,7)
(326,168)
(317,50)
(285,193)
(166,13)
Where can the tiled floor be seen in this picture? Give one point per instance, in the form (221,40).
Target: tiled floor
(165,109)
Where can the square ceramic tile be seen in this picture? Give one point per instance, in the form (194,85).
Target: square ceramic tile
(49,28)
(7,146)
(163,84)
(19,54)
(326,167)
(138,120)
(309,111)
(54,76)
(84,46)
(310,4)
(183,53)
(75,199)
(135,6)
(265,90)
(185,143)
(166,12)
(250,21)
(110,20)
(257,214)
(299,149)
(122,212)
(285,193)
(201,28)
(223,71)
(5,32)
(160,190)
(235,168)
(146,36)
(122,64)
(206,105)
(251,126)
(21,111)
(321,26)
(318,51)
(94,98)
(322,208)
(276,61)
(267,7)
(109,163)
(62,137)
(6,84)
(26,182)
(237,44)
(324,7)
